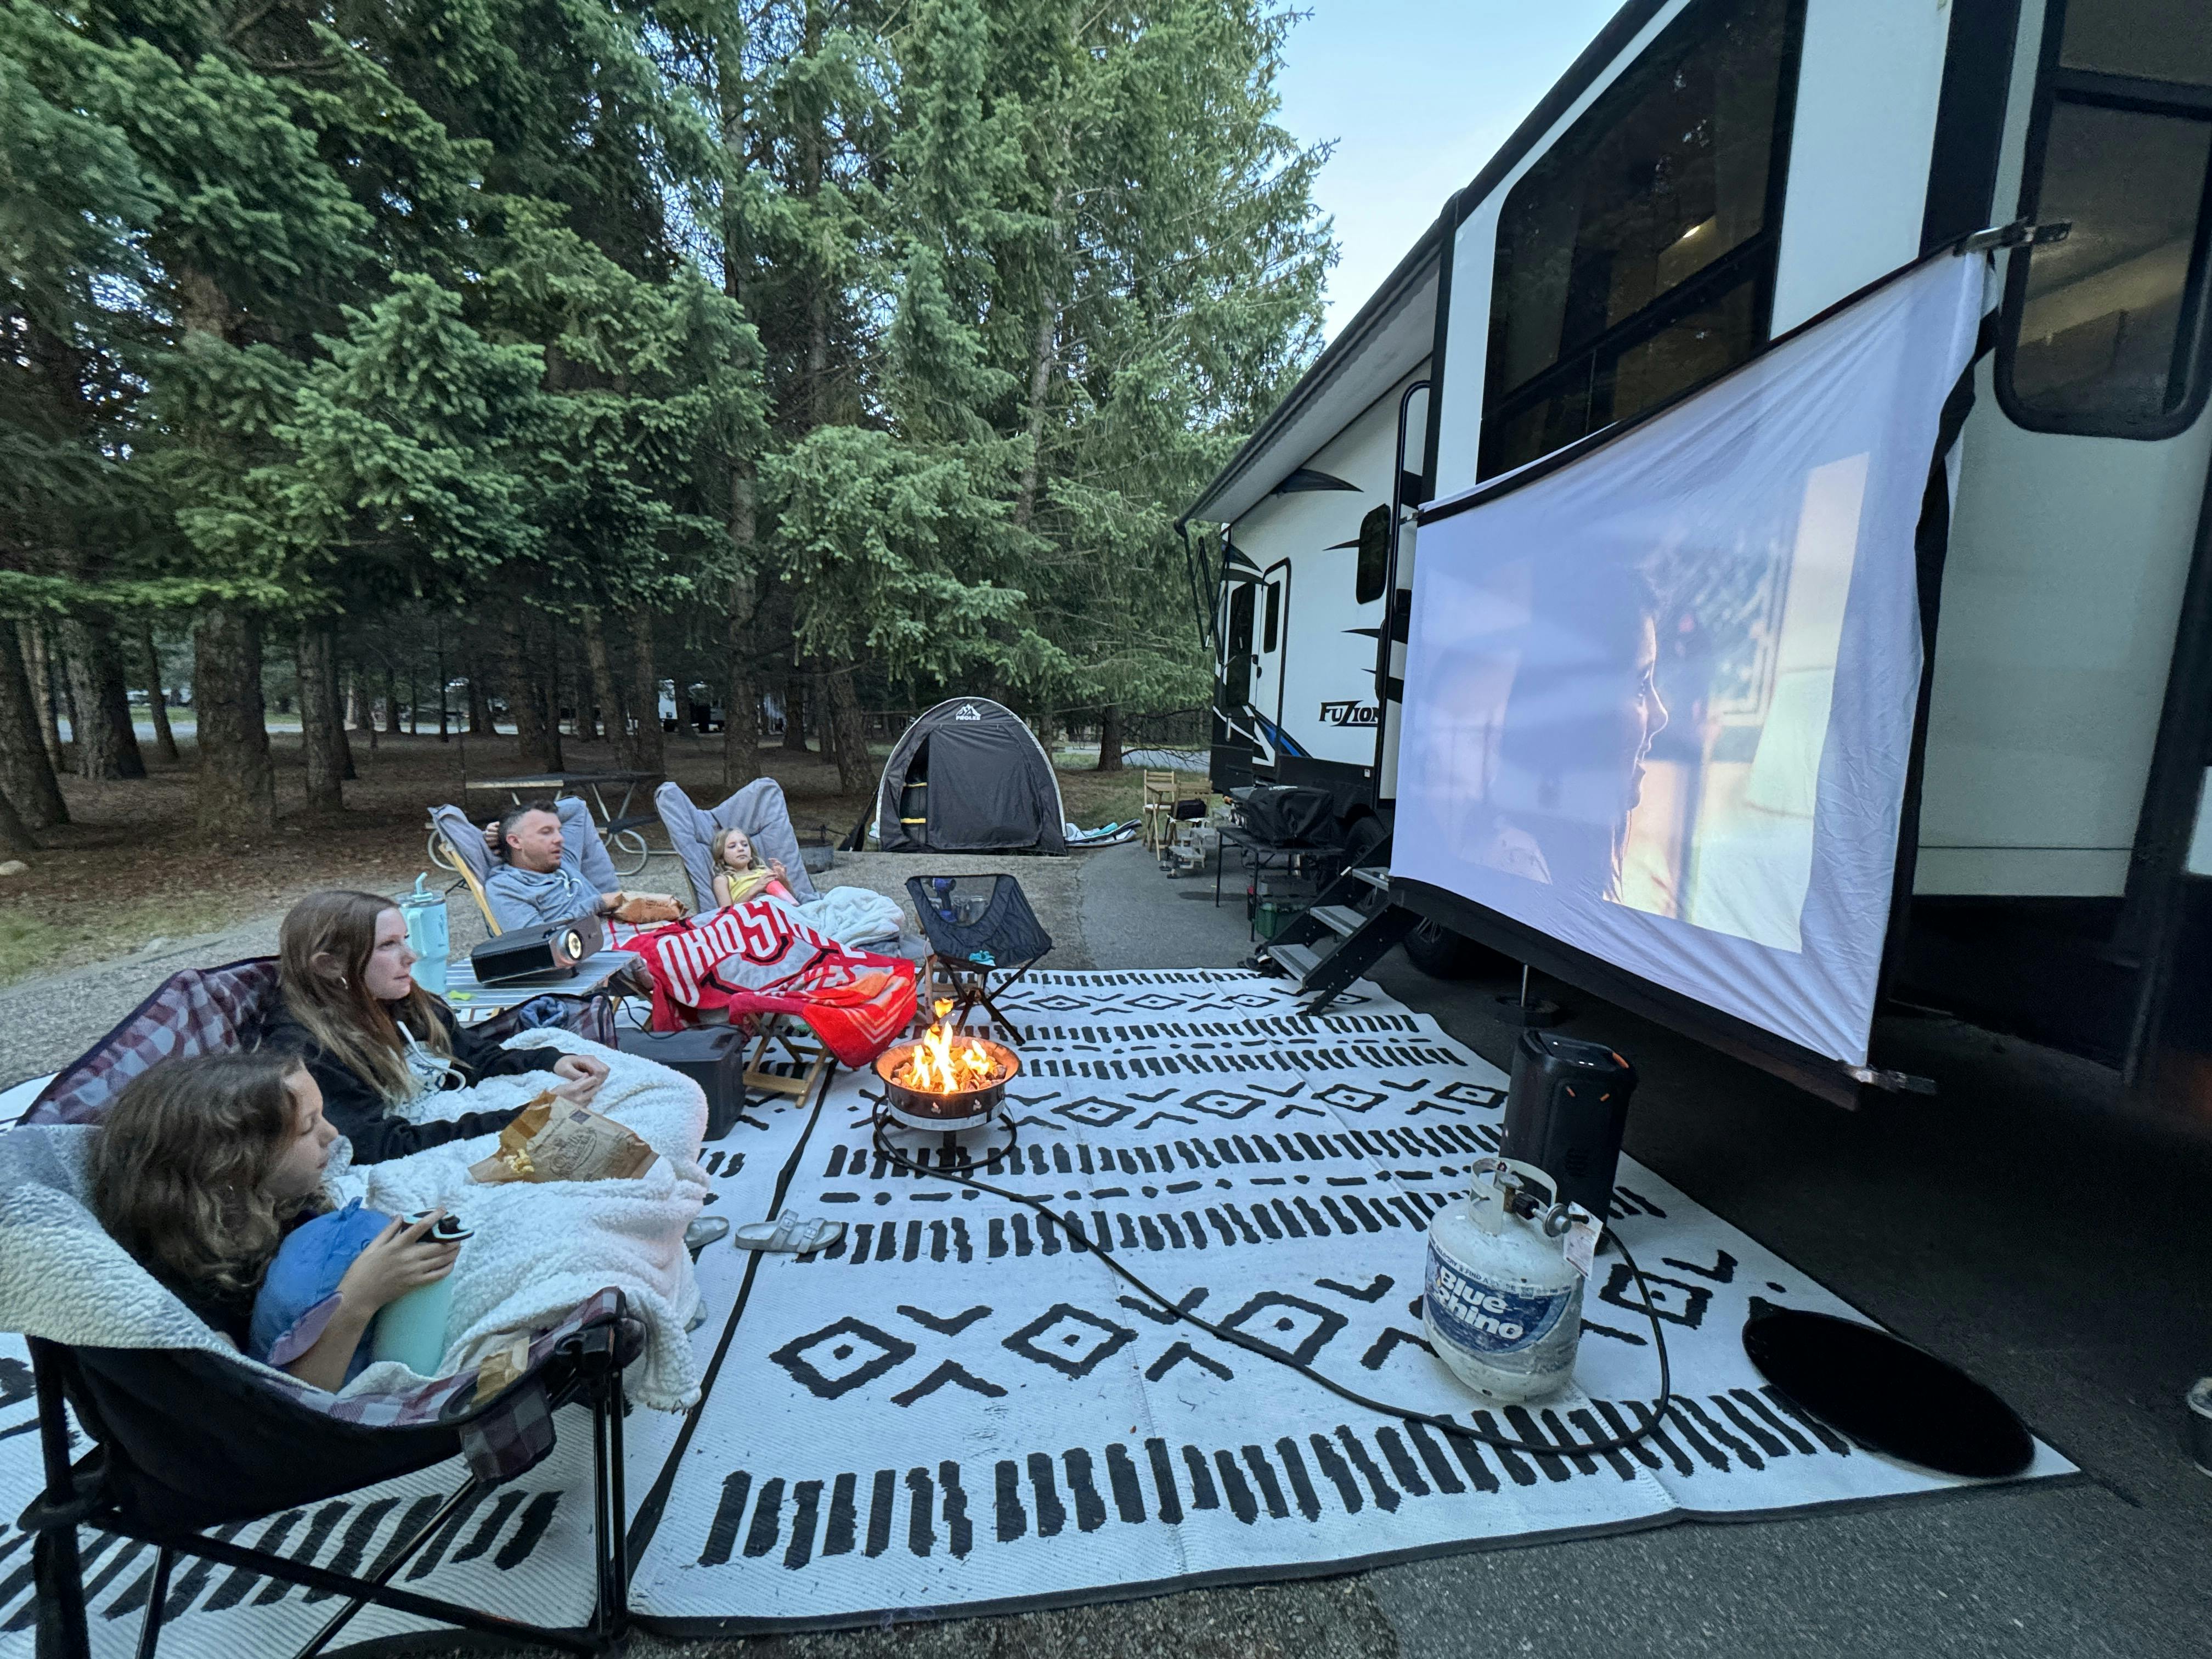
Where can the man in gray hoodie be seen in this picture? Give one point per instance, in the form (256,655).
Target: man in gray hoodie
(540,879)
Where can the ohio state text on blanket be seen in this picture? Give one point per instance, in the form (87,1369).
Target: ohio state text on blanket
(540,1250)
(759,957)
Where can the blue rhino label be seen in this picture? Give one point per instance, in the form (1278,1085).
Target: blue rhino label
(1484,1319)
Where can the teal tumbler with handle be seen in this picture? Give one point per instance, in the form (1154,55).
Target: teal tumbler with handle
(412,1329)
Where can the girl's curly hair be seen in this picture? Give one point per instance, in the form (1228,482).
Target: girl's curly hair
(180,1168)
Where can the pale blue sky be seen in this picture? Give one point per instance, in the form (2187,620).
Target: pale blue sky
(1419,95)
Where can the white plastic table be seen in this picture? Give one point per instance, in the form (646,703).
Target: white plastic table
(471,1002)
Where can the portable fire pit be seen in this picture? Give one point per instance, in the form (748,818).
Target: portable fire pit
(948,1082)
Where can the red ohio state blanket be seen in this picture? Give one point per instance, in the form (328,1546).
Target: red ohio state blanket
(758,957)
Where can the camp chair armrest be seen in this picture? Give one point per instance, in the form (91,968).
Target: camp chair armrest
(46,1511)
(596,1340)
(591,1349)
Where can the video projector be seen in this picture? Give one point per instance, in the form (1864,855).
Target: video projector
(524,954)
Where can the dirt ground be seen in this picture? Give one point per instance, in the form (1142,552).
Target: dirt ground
(131,869)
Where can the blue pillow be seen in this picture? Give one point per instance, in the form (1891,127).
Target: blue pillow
(299,1295)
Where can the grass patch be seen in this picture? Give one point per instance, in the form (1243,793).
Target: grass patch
(34,945)
(27,944)
(1094,797)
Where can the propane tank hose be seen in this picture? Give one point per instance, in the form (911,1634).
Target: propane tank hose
(1652,1415)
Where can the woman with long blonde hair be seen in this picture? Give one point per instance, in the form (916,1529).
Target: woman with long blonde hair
(373,1039)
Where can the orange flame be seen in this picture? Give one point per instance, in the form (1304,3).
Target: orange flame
(934,1066)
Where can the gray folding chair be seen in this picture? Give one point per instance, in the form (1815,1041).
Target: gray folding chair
(757,809)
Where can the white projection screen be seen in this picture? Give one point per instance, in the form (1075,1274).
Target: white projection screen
(1659,700)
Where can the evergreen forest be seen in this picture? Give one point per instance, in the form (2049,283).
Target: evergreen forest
(850,352)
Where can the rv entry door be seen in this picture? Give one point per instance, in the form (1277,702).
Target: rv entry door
(1236,649)
(1274,639)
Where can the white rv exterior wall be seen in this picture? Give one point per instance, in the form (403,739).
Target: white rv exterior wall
(2067,556)
(1319,684)
(1870,80)
(2062,593)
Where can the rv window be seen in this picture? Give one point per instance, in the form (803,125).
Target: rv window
(1374,556)
(1272,630)
(2150,39)
(1636,258)
(1237,672)
(2105,330)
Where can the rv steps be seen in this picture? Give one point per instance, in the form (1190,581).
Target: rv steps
(1335,941)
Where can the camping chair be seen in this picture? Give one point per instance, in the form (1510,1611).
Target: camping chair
(1160,799)
(213,1009)
(187,1434)
(458,845)
(758,809)
(979,926)
(1166,806)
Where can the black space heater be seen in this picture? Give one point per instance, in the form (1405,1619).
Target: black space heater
(711,1056)
(1565,1112)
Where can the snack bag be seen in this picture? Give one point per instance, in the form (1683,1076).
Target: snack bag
(642,909)
(556,1139)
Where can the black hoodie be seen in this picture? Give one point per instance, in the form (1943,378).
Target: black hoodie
(357,1109)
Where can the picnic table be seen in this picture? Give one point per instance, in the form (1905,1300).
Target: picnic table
(618,828)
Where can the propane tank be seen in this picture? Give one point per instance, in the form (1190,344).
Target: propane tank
(1502,1304)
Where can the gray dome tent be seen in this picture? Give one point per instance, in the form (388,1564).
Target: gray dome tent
(969,777)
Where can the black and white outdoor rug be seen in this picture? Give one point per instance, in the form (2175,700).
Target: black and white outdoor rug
(958,1409)
(954,1409)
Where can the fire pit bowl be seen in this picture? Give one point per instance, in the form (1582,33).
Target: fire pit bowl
(951,1110)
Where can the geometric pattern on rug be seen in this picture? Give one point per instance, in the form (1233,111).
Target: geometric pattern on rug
(958,1408)
(954,1409)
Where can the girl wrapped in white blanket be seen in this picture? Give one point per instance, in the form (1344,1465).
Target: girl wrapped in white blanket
(420,1100)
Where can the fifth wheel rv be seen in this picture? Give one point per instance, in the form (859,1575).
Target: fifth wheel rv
(1708,177)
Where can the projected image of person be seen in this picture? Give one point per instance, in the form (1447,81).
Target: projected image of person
(1578,723)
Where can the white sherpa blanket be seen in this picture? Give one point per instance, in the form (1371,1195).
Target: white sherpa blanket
(540,1249)
(853,916)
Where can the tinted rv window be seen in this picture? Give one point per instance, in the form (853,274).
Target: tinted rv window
(2152,39)
(1374,566)
(1237,664)
(1272,630)
(1636,258)
(2105,329)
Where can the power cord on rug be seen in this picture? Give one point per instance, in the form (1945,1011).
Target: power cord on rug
(1653,1415)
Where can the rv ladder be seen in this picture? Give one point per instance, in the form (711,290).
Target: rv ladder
(1335,941)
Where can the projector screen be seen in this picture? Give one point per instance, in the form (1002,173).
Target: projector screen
(1659,699)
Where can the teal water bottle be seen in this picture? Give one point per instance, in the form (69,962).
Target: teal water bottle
(429,934)
(412,1330)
